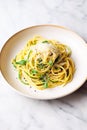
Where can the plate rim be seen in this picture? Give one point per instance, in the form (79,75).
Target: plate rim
(35,26)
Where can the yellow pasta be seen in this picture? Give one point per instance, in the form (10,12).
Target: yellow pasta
(44,63)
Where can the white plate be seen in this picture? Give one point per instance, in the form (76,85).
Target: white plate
(17,42)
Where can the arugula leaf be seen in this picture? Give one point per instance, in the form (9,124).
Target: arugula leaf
(44,80)
(39,60)
(22,62)
(33,71)
(42,77)
(45,41)
(41,65)
(50,62)
(45,84)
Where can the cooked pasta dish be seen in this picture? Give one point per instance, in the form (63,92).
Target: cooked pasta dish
(44,63)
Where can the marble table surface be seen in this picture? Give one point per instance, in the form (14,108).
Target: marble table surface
(20,113)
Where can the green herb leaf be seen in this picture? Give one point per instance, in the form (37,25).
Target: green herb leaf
(50,62)
(45,84)
(41,65)
(39,60)
(22,62)
(34,71)
(42,77)
(45,41)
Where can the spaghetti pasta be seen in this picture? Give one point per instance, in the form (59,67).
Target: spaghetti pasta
(44,63)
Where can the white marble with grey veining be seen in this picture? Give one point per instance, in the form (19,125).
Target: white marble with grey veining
(20,113)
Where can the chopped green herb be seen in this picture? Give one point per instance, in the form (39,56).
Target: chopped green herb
(50,62)
(45,84)
(34,71)
(22,62)
(41,65)
(44,80)
(45,41)
(39,60)
(41,77)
